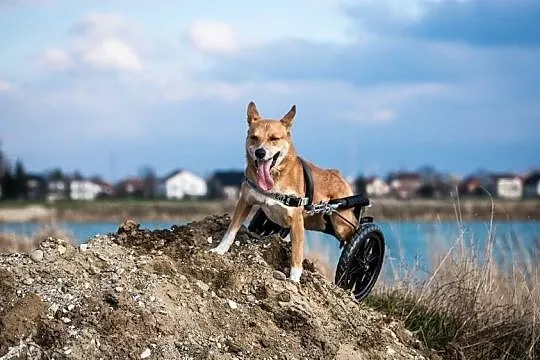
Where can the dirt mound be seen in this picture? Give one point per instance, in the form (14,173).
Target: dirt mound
(161,295)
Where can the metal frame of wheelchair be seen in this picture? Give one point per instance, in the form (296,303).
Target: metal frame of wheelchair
(362,255)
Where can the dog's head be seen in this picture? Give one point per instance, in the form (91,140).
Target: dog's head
(268,143)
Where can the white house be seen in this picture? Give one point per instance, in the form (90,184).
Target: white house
(84,190)
(57,190)
(376,187)
(509,187)
(181,183)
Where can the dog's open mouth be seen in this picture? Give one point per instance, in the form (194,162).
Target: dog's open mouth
(264,178)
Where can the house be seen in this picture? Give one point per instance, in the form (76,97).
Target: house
(84,189)
(225,184)
(477,185)
(376,187)
(404,185)
(57,189)
(107,190)
(508,186)
(180,183)
(129,188)
(36,187)
(531,185)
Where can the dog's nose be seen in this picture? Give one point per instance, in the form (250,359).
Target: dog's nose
(260,153)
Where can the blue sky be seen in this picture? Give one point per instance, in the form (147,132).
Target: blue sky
(107,87)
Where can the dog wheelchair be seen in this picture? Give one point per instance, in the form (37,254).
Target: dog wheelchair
(362,255)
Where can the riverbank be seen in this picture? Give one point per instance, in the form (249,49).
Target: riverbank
(382,210)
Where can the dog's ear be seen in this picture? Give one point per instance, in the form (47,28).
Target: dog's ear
(252,113)
(289,117)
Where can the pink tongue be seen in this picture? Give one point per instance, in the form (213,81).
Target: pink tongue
(264,179)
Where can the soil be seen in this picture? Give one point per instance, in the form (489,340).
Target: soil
(160,294)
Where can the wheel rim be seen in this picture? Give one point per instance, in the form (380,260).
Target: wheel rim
(364,270)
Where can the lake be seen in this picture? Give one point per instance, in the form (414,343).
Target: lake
(407,242)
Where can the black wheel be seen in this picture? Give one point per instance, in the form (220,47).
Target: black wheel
(361,261)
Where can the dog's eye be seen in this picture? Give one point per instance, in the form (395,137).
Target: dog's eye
(254,138)
(274,138)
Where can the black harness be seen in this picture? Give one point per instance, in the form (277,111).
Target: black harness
(291,200)
(264,226)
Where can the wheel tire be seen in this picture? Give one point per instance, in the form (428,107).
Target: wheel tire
(355,271)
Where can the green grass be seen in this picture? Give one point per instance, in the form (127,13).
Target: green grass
(434,327)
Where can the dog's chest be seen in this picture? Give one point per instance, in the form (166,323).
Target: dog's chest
(275,210)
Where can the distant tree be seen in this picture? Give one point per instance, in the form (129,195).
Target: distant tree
(149,178)
(55,174)
(214,189)
(8,185)
(77,175)
(360,184)
(20,178)
(3,163)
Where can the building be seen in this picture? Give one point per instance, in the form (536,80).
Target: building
(57,189)
(180,184)
(404,185)
(107,190)
(225,184)
(508,186)
(36,187)
(376,187)
(84,190)
(129,188)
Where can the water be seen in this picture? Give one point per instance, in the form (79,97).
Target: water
(407,242)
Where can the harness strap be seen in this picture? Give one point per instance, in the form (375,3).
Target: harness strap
(308,182)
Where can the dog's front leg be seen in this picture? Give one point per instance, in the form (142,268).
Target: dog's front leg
(297,244)
(241,211)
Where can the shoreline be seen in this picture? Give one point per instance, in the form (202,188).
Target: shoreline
(156,211)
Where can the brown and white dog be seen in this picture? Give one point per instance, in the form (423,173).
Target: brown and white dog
(273,164)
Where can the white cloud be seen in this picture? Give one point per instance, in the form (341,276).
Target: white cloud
(54,59)
(5,86)
(112,54)
(102,41)
(384,115)
(212,37)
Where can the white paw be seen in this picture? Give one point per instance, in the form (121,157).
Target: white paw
(295,274)
(220,250)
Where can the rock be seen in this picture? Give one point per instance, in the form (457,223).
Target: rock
(233,347)
(119,289)
(209,240)
(232,304)
(279,275)
(83,247)
(36,255)
(66,320)
(28,281)
(146,353)
(127,227)
(61,249)
(284,296)
(203,286)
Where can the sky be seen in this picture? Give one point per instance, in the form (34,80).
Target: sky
(108,87)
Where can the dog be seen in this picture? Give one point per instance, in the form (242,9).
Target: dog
(274,166)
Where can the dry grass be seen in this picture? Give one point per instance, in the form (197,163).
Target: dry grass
(14,243)
(475,304)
